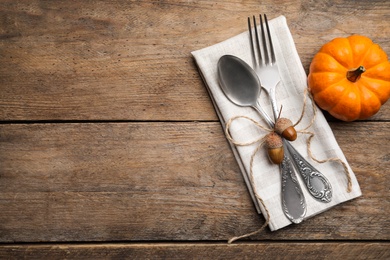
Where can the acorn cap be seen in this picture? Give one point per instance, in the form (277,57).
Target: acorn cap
(282,124)
(273,141)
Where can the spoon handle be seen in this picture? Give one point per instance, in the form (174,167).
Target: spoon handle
(317,184)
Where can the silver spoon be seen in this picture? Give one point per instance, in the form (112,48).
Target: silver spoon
(242,86)
(238,76)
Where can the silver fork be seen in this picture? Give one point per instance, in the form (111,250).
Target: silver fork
(264,63)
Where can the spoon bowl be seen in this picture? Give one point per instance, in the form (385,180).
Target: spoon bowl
(240,84)
(238,81)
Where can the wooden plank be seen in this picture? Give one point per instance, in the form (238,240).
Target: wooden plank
(130,60)
(163,181)
(271,250)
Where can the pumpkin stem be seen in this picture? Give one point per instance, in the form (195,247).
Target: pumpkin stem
(354,74)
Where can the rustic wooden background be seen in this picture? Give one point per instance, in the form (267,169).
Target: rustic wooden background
(110,146)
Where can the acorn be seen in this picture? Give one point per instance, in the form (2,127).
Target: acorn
(274,145)
(285,128)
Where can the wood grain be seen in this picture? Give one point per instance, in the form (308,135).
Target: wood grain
(213,251)
(163,181)
(110,147)
(130,60)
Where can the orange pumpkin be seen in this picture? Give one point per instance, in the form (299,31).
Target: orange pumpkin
(350,78)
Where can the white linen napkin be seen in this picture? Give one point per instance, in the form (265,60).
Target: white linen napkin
(289,92)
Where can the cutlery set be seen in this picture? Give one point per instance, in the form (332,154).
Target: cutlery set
(242,85)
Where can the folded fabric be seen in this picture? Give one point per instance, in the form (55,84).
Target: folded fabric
(289,93)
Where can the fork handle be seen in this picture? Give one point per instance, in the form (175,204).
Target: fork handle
(293,200)
(275,109)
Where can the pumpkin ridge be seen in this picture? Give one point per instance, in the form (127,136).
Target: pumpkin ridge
(342,75)
(358,105)
(357,63)
(374,103)
(369,89)
(320,88)
(375,79)
(333,58)
(364,57)
(377,94)
(351,51)
(372,69)
(341,95)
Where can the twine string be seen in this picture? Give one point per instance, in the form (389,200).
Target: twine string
(235,142)
(260,142)
(332,159)
(306,94)
(267,217)
(251,175)
(311,136)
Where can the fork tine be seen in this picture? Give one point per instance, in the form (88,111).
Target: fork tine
(264,50)
(254,38)
(273,59)
(257,41)
(251,41)
(264,41)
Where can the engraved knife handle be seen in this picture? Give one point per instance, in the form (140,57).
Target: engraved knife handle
(317,184)
(293,200)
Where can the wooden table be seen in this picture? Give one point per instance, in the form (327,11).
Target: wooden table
(110,146)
